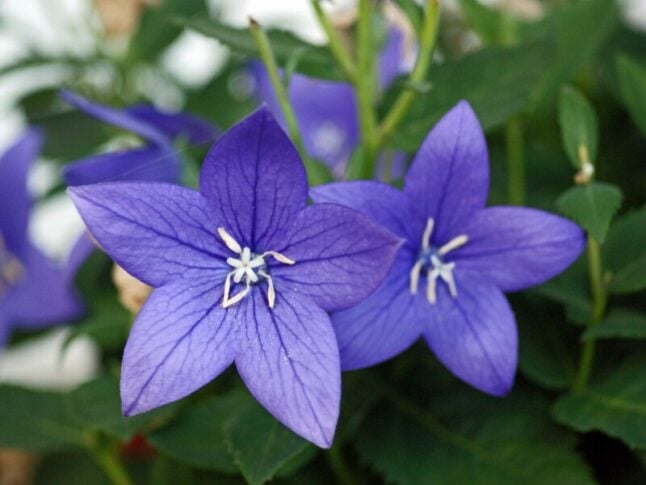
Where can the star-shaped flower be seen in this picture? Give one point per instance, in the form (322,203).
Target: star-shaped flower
(34,293)
(448,280)
(243,272)
(156,161)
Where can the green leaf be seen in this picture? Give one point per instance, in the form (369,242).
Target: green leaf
(632,84)
(36,420)
(616,405)
(625,253)
(486,22)
(593,206)
(260,444)
(197,437)
(516,443)
(619,323)
(579,126)
(496,81)
(315,61)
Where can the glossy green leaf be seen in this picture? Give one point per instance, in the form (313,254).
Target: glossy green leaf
(615,405)
(620,323)
(260,444)
(625,253)
(593,206)
(632,83)
(579,126)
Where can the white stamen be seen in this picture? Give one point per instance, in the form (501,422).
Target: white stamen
(278,257)
(431,291)
(271,293)
(414,276)
(231,243)
(454,243)
(428,231)
(227,302)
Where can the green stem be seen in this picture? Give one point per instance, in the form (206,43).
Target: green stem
(106,457)
(405,99)
(599,300)
(341,471)
(340,53)
(515,161)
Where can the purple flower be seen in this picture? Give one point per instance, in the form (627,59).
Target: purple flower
(156,161)
(327,110)
(33,292)
(448,280)
(243,272)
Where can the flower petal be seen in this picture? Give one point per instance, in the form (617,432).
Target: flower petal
(390,58)
(290,362)
(175,125)
(474,335)
(341,255)
(16,203)
(181,340)
(119,118)
(254,182)
(517,247)
(149,164)
(384,324)
(156,232)
(449,177)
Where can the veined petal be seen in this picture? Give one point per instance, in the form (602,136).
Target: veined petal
(341,255)
(156,232)
(382,202)
(119,118)
(516,247)
(149,164)
(449,178)
(15,203)
(175,124)
(254,182)
(181,340)
(384,324)
(474,335)
(289,360)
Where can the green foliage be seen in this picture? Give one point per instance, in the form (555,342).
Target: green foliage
(579,126)
(486,22)
(620,323)
(593,206)
(625,253)
(632,83)
(614,405)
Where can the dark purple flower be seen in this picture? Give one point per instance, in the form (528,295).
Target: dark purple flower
(326,111)
(33,292)
(156,161)
(243,272)
(448,280)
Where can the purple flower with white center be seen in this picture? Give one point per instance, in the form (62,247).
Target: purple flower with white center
(448,279)
(326,111)
(33,292)
(244,271)
(156,161)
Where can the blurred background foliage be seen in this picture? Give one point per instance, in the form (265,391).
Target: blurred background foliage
(532,71)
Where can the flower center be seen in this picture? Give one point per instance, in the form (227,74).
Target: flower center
(248,268)
(10,268)
(431,260)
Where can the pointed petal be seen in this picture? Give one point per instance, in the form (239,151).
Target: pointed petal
(449,177)
(181,340)
(149,164)
(15,201)
(174,125)
(254,181)
(341,255)
(156,232)
(382,202)
(290,362)
(516,247)
(384,324)
(43,296)
(474,335)
(119,118)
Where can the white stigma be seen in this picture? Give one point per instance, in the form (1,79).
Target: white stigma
(435,267)
(249,267)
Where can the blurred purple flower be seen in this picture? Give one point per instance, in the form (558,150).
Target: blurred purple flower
(326,111)
(448,280)
(157,161)
(33,292)
(243,272)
